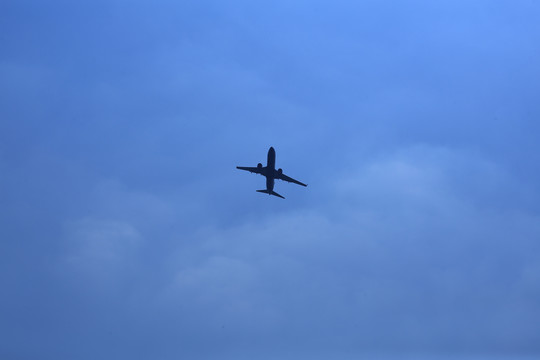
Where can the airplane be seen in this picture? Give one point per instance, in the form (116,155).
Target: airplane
(270,172)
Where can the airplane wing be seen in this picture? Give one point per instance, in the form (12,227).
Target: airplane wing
(284,177)
(256,170)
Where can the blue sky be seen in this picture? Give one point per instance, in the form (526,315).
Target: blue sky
(127,232)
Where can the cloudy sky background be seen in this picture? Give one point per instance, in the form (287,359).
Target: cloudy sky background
(127,232)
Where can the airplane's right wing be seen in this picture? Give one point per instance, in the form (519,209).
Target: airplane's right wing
(284,177)
(256,170)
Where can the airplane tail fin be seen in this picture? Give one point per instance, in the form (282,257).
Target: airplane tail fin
(270,193)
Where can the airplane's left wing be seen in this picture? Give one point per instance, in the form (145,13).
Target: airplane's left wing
(256,170)
(284,177)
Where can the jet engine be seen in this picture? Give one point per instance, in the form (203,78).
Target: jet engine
(259,166)
(280,171)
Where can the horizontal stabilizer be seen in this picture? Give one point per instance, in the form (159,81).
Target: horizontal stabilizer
(270,193)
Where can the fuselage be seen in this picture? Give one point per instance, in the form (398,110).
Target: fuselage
(270,169)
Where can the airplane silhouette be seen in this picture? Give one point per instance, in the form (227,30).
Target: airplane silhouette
(270,172)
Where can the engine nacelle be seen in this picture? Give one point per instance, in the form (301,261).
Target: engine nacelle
(280,171)
(259,166)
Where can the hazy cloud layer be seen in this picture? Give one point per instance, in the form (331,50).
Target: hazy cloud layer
(126,231)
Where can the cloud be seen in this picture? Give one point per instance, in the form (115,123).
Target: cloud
(127,231)
(407,257)
(101,248)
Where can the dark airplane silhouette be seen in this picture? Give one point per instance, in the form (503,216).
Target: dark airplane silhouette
(271,173)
